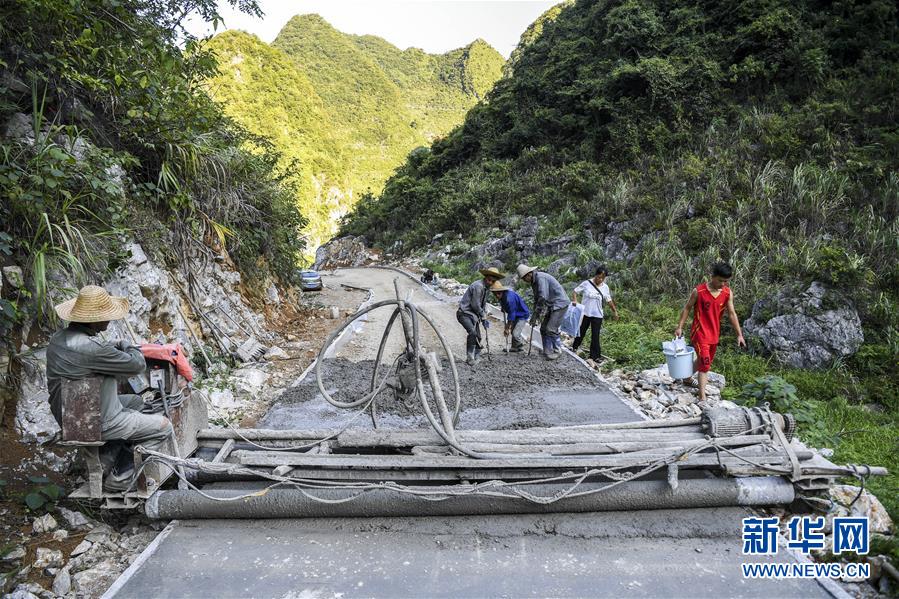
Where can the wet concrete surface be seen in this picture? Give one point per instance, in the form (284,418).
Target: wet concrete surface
(509,391)
(687,553)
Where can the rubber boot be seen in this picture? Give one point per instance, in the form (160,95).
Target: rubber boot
(469,352)
(552,352)
(547,348)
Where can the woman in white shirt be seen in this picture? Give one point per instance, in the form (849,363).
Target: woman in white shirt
(593,293)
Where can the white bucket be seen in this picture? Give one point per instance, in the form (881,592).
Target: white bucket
(680,366)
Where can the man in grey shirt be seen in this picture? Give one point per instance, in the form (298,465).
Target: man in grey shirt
(549,298)
(76,352)
(473,311)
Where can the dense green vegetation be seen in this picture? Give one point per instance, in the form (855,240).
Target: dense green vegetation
(763,132)
(112,135)
(344,110)
(259,87)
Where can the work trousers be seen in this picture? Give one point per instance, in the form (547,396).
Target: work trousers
(594,323)
(519,339)
(131,427)
(549,329)
(472,329)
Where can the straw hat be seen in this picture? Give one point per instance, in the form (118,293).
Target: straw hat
(524,269)
(93,304)
(497,286)
(492,272)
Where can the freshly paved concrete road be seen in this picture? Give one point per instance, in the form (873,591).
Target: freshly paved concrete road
(686,553)
(666,553)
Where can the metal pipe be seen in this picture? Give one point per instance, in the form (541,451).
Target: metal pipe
(385,502)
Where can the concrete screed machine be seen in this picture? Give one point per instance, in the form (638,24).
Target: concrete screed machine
(725,457)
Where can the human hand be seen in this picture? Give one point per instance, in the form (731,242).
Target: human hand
(679,332)
(616,315)
(533,321)
(486,323)
(741,342)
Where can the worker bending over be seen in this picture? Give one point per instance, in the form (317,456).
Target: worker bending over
(516,314)
(472,312)
(551,301)
(76,352)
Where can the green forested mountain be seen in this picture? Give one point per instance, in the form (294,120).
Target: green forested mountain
(345,110)
(767,127)
(657,137)
(261,88)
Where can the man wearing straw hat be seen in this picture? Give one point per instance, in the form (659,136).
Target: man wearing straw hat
(76,352)
(472,312)
(516,314)
(549,298)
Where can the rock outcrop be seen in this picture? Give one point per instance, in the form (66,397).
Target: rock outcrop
(156,315)
(344,251)
(806,328)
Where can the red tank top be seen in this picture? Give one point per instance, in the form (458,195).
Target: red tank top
(707,314)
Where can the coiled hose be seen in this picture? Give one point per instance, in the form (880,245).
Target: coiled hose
(409,315)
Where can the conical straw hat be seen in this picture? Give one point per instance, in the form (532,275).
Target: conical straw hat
(497,286)
(524,269)
(93,304)
(492,272)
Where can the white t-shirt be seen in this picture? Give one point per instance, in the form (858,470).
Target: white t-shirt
(592,299)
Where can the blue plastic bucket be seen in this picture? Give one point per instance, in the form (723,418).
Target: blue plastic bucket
(680,366)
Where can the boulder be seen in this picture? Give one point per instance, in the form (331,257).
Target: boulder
(82,547)
(34,421)
(249,380)
(342,251)
(28,590)
(94,581)
(613,244)
(588,270)
(806,328)
(20,127)
(525,236)
(48,558)
(553,247)
(222,399)
(74,520)
(14,276)
(867,505)
(62,582)
(272,297)
(42,524)
(562,266)
(13,555)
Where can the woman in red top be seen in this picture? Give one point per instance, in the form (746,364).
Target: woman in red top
(708,301)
